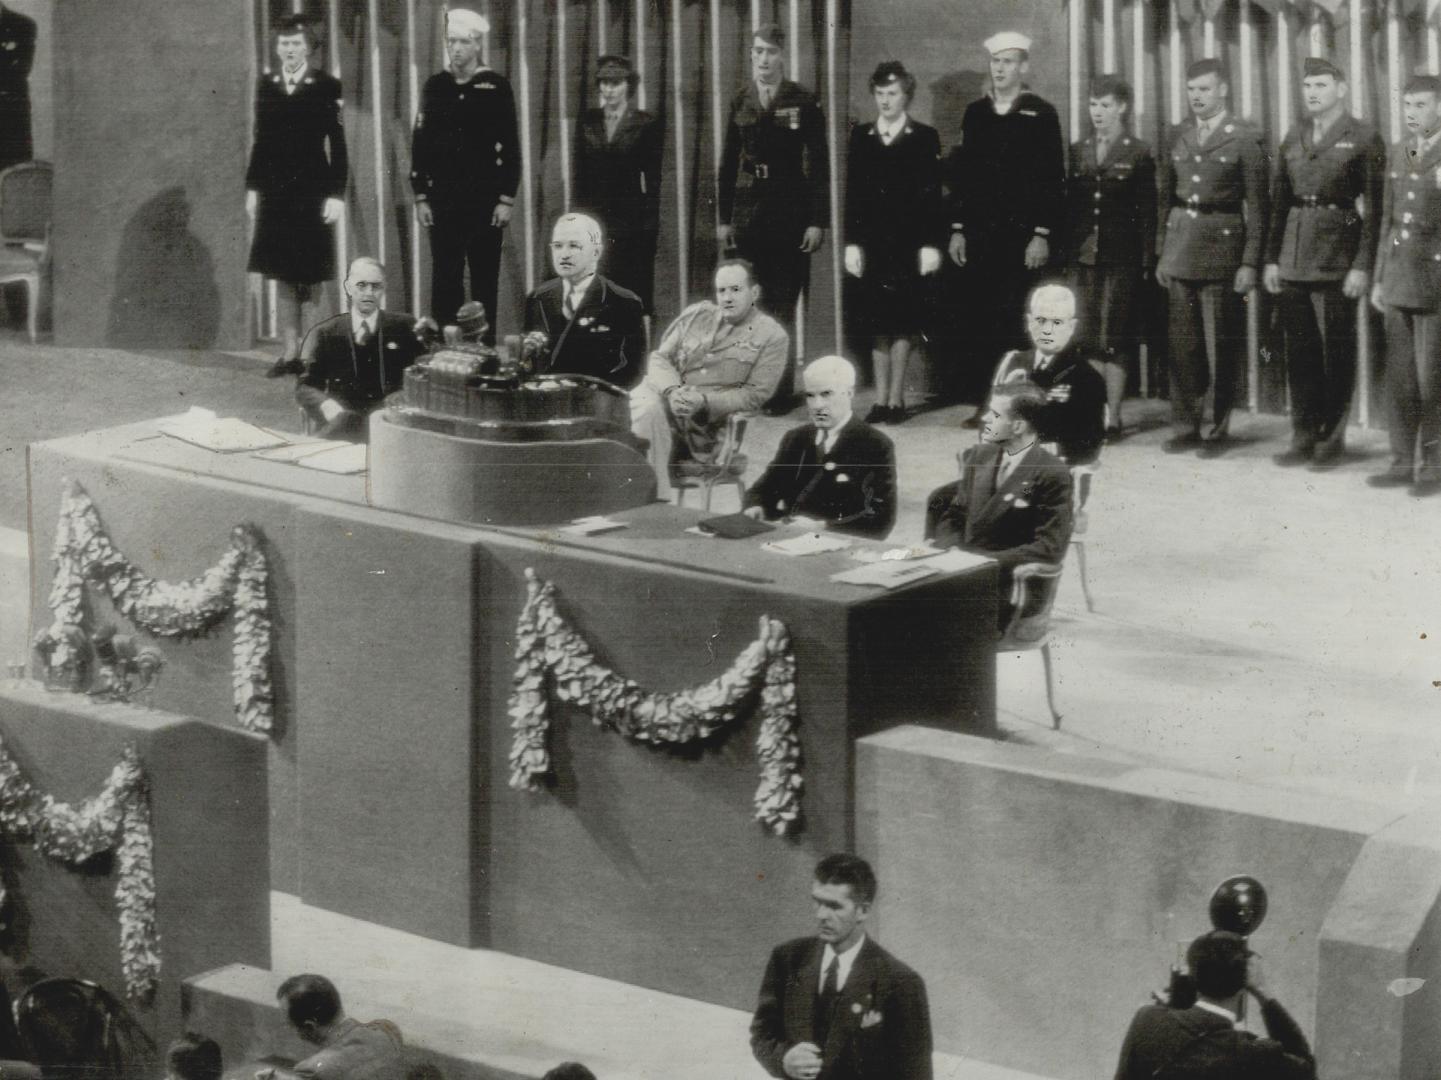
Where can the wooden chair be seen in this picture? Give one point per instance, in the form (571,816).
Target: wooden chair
(726,466)
(1033,592)
(25,200)
(1082,480)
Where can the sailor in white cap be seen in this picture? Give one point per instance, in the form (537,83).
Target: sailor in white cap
(465,21)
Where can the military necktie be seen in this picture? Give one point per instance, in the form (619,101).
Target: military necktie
(1103,144)
(363,335)
(826,1001)
(766,94)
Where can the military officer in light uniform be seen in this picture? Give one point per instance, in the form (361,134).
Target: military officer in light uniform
(718,357)
(774,186)
(1325,196)
(1408,292)
(1213,225)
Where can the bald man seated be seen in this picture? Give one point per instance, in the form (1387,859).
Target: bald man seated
(1073,423)
(836,471)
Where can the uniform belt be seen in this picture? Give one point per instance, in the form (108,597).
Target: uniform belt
(1207,207)
(1314,202)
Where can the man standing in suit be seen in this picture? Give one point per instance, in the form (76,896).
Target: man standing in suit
(1213,186)
(616,164)
(1013,500)
(1408,292)
(595,326)
(837,470)
(1204,1042)
(1006,181)
(1075,415)
(837,1006)
(774,186)
(17,54)
(464,169)
(354,360)
(1325,197)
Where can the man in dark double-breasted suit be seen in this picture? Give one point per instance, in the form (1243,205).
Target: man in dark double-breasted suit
(1408,292)
(837,1006)
(1213,225)
(595,326)
(17,54)
(837,469)
(1325,198)
(616,164)
(773,185)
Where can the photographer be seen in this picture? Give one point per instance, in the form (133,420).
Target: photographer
(1203,1042)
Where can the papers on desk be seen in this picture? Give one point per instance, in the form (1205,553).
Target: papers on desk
(808,544)
(224,435)
(873,555)
(891,573)
(590,526)
(322,455)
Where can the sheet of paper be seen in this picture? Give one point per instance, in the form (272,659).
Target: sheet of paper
(887,575)
(295,451)
(954,559)
(344,460)
(808,544)
(870,555)
(589,526)
(224,435)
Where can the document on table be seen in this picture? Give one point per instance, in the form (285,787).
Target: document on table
(590,526)
(344,459)
(887,575)
(295,451)
(808,544)
(224,435)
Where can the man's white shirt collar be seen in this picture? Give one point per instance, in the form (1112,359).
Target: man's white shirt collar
(827,439)
(292,81)
(357,320)
(576,293)
(1208,127)
(1218,1010)
(847,958)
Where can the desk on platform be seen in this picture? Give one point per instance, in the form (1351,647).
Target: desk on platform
(393,668)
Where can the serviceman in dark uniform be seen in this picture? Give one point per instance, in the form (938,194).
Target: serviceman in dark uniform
(17,54)
(616,165)
(1408,292)
(1006,182)
(1325,197)
(1213,225)
(774,187)
(465,168)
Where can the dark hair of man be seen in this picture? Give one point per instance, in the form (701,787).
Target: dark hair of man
(292,25)
(1112,86)
(852,870)
(194,1057)
(309,999)
(771,34)
(744,264)
(889,71)
(569,1070)
(1209,66)
(1423,84)
(1218,965)
(1028,401)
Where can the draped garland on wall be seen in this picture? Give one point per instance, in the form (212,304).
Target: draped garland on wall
(116,821)
(83,553)
(552,659)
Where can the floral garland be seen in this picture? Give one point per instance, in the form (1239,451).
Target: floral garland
(552,658)
(117,820)
(84,553)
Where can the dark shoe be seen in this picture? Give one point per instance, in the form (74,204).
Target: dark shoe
(1327,456)
(1114,434)
(1297,455)
(1422,489)
(897,414)
(1391,478)
(1180,444)
(879,414)
(1214,447)
(973,421)
(285,367)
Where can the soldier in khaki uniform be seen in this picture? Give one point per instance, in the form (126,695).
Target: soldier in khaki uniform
(1408,292)
(718,357)
(1325,195)
(1213,196)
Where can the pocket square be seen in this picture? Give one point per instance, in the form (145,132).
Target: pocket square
(391,345)
(1021,503)
(871,1019)
(842,478)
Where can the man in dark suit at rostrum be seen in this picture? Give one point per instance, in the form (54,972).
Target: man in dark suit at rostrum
(1006,185)
(1203,1041)
(464,169)
(773,187)
(595,326)
(1408,292)
(354,360)
(837,470)
(1325,199)
(616,164)
(17,54)
(1213,224)
(837,1006)
(1075,416)
(1013,500)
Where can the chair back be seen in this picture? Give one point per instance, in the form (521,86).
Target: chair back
(25,202)
(1033,594)
(735,434)
(1083,479)
(76,1027)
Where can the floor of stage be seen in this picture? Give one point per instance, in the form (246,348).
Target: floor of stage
(1252,622)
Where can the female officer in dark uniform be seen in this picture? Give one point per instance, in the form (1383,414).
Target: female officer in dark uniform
(895,225)
(295,184)
(1111,223)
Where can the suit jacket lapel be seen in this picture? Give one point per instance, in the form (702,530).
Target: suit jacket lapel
(998,503)
(801,1006)
(856,998)
(556,314)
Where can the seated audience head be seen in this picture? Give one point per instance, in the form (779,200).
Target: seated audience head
(1051,318)
(617,80)
(1220,963)
(1206,88)
(193,1057)
(1323,86)
(1010,54)
(892,86)
(1421,103)
(736,291)
(570,1070)
(365,285)
(768,46)
(843,892)
(575,247)
(1013,415)
(830,384)
(294,40)
(1110,102)
(312,1005)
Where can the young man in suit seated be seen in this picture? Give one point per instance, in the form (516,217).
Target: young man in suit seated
(719,357)
(1073,424)
(1013,500)
(838,1006)
(354,360)
(837,470)
(595,326)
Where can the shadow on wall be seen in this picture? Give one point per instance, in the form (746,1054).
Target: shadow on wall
(165,291)
(950,94)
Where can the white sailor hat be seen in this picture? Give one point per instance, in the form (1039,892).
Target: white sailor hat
(1007,39)
(466,21)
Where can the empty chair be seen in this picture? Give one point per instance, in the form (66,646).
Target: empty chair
(1033,592)
(25,193)
(725,466)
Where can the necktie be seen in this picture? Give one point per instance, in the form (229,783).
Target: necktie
(612,121)
(826,1001)
(1203,133)
(569,306)
(1102,145)
(363,335)
(765,97)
